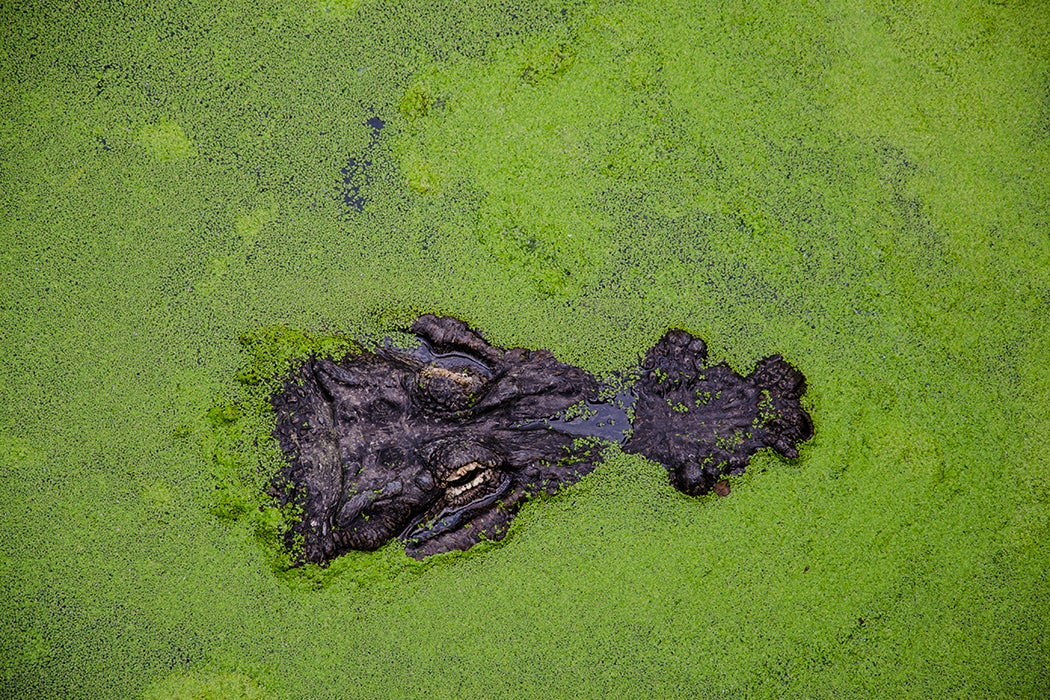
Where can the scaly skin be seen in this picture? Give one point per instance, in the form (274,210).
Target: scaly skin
(440,445)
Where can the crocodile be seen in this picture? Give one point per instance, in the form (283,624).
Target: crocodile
(439,444)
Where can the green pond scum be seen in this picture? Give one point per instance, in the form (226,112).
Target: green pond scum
(862,186)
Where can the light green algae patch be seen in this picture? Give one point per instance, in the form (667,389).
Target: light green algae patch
(196,686)
(165,141)
(860,186)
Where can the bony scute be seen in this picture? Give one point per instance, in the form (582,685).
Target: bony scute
(479,429)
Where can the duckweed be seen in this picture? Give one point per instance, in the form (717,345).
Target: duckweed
(860,186)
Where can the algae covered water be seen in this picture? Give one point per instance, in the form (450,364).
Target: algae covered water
(861,187)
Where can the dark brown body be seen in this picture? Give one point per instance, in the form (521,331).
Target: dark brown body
(440,445)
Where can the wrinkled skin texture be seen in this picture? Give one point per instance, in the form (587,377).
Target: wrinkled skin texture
(704,422)
(438,446)
(424,445)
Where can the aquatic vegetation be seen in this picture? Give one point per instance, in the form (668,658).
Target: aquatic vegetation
(861,186)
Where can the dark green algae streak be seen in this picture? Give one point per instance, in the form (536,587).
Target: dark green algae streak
(862,187)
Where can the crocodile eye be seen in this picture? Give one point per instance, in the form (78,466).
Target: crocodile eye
(451,389)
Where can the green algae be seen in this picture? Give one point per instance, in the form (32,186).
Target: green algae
(859,186)
(165,141)
(197,686)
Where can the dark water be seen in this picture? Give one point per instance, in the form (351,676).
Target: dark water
(605,420)
(357,172)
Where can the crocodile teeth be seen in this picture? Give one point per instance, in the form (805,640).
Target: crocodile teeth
(463,488)
(462,471)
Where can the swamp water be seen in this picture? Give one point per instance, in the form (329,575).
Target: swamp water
(862,187)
